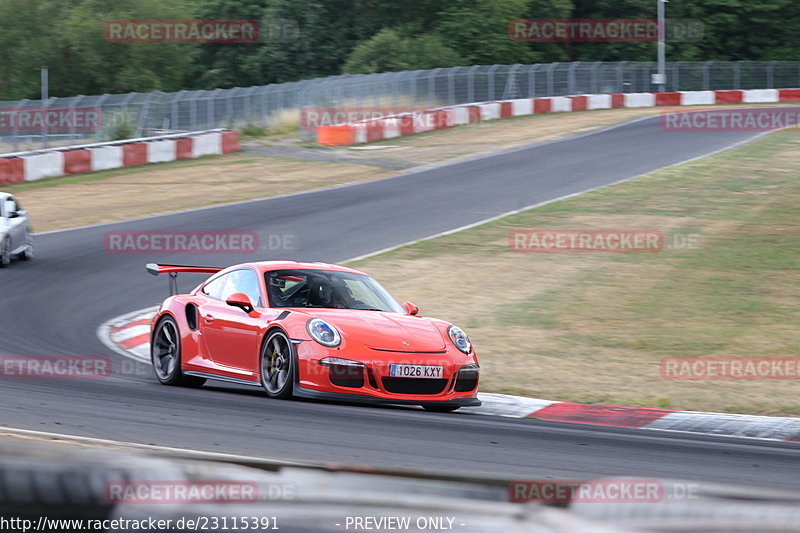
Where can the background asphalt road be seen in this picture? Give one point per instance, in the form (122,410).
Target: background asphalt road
(55,304)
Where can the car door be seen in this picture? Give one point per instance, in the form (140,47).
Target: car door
(232,335)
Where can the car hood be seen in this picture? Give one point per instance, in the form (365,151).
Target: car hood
(385,331)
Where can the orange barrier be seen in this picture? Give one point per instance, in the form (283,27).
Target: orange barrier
(340,135)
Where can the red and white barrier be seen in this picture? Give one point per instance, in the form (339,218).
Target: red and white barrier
(761,96)
(207,144)
(161,151)
(35,165)
(44,165)
(433,119)
(106,157)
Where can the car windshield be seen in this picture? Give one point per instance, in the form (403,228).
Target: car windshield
(328,289)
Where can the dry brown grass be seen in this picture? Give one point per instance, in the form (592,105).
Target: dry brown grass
(173,187)
(594,327)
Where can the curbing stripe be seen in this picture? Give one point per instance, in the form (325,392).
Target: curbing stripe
(602,415)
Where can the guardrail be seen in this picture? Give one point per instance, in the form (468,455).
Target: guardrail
(38,164)
(397,125)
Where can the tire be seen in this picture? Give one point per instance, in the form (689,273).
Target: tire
(441,408)
(5,253)
(277,365)
(27,253)
(165,355)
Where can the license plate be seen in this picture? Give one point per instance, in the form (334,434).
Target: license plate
(416,371)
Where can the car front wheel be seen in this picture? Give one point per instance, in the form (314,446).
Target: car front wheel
(27,253)
(5,253)
(277,365)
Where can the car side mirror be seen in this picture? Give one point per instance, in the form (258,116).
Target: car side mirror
(410,308)
(240,300)
(13,214)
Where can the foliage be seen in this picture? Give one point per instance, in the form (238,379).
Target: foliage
(303,39)
(389,52)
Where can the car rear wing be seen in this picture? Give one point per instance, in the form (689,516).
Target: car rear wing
(173,270)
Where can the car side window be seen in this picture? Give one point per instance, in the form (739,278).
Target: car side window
(215,287)
(244,280)
(10,207)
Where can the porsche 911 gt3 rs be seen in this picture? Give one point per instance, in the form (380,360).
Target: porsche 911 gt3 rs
(310,330)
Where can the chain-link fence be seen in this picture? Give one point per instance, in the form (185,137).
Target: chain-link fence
(30,124)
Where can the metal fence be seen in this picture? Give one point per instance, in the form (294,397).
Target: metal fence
(278,105)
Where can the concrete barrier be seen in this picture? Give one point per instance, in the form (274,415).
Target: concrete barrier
(161,151)
(207,144)
(45,165)
(106,157)
(760,96)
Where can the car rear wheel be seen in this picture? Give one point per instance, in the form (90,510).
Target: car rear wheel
(277,365)
(441,408)
(5,253)
(165,354)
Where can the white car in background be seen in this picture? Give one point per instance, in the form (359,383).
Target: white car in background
(16,234)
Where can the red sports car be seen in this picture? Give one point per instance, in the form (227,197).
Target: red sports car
(310,330)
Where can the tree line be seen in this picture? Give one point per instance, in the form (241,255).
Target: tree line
(302,39)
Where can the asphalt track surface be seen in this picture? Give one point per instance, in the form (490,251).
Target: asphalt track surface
(54,305)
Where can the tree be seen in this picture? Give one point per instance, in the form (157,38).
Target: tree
(478,31)
(68,38)
(388,51)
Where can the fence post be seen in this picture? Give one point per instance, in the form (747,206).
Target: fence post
(550,81)
(471,83)
(621,77)
(571,87)
(771,75)
(511,83)
(707,76)
(737,75)
(451,85)
(532,80)
(432,86)
(99,105)
(15,131)
(490,81)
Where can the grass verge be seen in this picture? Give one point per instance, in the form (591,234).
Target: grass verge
(593,328)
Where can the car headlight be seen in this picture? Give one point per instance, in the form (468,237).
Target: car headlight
(459,339)
(323,332)
(338,361)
